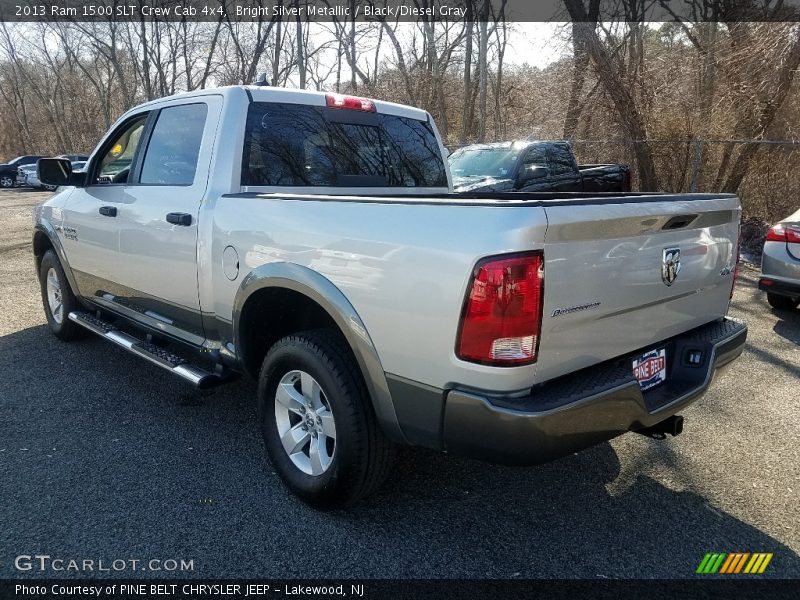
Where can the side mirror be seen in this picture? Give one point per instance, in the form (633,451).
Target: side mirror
(529,172)
(57,171)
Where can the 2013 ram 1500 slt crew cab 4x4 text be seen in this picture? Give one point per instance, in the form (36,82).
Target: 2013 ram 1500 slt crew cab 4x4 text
(311,241)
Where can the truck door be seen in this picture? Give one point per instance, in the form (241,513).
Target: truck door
(158,222)
(90,223)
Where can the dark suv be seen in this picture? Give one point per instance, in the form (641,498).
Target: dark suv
(8,171)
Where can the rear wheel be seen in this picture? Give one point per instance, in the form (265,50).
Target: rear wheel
(317,422)
(57,298)
(782,302)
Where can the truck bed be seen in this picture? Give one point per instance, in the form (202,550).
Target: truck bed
(405,263)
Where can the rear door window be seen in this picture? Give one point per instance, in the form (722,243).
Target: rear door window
(173,148)
(535,156)
(560,159)
(298,145)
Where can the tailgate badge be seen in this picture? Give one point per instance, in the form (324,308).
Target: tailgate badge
(670,265)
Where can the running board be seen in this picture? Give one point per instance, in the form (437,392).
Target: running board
(150,352)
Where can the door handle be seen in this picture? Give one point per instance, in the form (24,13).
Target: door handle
(184,219)
(679,221)
(108,211)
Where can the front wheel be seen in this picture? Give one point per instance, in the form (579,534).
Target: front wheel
(6,181)
(57,298)
(782,302)
(317,422)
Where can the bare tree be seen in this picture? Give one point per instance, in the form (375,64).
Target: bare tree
(580,63)
(615,76)
(483,69)
(467,105)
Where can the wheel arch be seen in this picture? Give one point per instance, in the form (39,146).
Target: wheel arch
(45,238)
(313,301)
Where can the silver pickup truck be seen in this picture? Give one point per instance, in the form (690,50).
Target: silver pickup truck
(312,242)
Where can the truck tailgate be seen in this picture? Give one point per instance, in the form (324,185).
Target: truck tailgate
(625,276)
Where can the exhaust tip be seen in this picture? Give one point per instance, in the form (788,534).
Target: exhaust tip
(671,425)
(677,425)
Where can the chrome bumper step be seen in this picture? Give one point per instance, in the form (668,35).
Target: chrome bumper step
(165,359)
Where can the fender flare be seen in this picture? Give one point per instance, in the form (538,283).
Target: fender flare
(290,276)
(47,229)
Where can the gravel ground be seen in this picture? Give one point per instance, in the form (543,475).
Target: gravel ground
(104,457)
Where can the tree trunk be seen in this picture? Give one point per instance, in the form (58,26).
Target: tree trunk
(466,115)
(276,55)
(620,93)
(482,70)
(352,48)
(301,60)
(580,61)
(498,90)
(707,87)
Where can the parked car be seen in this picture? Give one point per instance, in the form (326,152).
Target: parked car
(532,166)
(780,264)
(8,171)
(323,254)
(32,180)
(23,173)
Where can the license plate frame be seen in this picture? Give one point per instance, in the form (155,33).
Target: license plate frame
(650,369)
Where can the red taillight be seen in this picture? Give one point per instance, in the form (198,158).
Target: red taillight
(792,234)
(349,102)
(776,233)
(502,317)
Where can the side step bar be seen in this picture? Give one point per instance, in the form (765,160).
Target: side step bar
(150,352)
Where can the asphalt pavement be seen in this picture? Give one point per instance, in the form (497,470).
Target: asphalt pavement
(104,457)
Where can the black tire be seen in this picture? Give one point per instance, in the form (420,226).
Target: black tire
(362,456)
(63,329)
(782,302)
(6,181)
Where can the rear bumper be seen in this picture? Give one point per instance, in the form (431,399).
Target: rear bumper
(587,407)
(777,286)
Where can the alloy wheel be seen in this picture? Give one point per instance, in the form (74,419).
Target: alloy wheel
(54,296)
(305,422)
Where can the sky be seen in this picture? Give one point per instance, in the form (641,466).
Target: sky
(538,44)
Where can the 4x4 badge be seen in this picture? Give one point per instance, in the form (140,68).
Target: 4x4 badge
(670,265)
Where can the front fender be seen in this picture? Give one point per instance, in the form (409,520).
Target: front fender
(44,227)
(322,291)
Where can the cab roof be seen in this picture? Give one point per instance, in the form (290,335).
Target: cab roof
(262,93)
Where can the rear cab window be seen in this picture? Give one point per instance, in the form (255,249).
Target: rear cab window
(297,145)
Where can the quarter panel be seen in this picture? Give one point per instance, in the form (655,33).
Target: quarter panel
(403,267)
